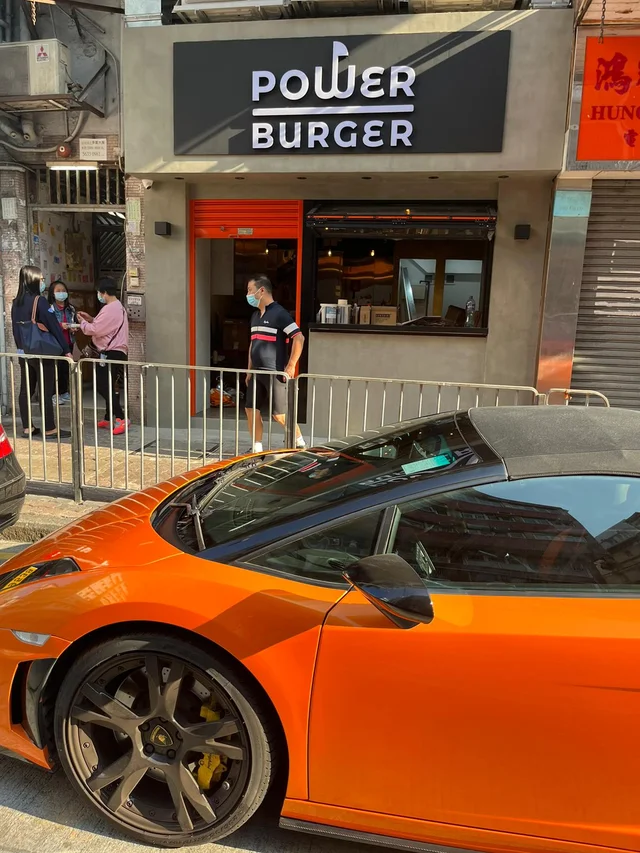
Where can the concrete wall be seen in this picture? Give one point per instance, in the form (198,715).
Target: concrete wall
(536,102)
(167,298)
(516,284)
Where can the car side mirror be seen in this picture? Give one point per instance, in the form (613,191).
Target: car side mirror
(394,587)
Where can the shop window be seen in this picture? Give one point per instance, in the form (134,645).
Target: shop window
(461,292)
(410,284)
(411,266)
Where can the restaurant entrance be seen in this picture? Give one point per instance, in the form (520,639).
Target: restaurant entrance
(232,241)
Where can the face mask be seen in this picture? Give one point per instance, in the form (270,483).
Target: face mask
(101,298)
(60,297)
(43,286)
(253,300)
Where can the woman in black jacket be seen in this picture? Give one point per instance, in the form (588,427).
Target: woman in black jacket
(32,287)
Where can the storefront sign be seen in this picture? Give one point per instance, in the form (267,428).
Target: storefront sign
(610,112)
(406,93)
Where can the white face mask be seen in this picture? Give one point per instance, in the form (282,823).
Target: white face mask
(60,297)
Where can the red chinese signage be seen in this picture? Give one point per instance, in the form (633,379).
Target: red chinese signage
(610,114)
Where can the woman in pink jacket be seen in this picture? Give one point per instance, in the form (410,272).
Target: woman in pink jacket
(110,333)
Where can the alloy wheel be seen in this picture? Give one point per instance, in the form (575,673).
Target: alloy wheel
(159,744)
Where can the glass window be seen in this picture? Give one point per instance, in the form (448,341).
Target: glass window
(294,485)
(462,284)
(416,287)
(558,533)
(323,555)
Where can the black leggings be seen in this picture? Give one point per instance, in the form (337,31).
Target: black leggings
(117,376)
(31,368)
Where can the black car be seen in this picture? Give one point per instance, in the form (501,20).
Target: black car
(12,484)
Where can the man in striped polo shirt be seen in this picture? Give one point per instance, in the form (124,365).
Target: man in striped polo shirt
(272,327)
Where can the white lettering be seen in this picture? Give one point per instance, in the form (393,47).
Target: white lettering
(262,135)
(372,134)
(351,140)
(293,75)
(401,131)
(372,87)
(402,79)
(318,132)
(258,88)
(297,135)
(339,51)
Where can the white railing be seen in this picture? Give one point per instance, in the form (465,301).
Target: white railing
(181,417)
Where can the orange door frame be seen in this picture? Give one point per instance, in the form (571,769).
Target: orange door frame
(231,219)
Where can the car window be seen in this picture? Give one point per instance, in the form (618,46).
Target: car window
(574,533)
(294,485)
(322,555)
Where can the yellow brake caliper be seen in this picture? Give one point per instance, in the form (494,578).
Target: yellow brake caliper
(211,767)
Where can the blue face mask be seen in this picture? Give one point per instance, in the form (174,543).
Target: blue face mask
(60,297)
(253,300)
(43,286)
(101,298)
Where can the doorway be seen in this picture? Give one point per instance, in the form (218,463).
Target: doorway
(232,241)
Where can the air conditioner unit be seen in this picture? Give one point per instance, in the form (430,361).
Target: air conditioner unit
(33,68)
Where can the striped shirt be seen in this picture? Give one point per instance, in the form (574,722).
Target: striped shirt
(270,334)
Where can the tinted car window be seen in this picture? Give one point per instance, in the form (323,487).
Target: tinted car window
(323,555)
(294,485)
(557,533)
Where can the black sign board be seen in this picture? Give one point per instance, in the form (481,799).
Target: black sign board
(386,94)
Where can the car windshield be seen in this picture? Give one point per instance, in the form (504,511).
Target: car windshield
(296,484)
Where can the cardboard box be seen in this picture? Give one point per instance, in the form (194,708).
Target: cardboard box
(364,315)
(384,316)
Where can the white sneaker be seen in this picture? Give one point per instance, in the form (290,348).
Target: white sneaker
(301,443)
(257,447)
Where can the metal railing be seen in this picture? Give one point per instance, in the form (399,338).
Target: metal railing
(78,404)
(575,395)
(338,406)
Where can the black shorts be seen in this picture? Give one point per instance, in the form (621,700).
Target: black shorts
(270,394)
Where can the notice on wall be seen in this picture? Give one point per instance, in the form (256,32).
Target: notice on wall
(93,149)
(134,210)
(9,208)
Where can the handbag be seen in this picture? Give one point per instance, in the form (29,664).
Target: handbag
(36,338)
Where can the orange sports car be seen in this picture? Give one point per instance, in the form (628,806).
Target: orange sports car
(431,632)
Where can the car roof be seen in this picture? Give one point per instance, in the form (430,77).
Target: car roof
(538,441)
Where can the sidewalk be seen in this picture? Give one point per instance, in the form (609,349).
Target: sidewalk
(145,455)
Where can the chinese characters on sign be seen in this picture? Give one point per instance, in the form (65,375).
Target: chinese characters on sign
(610,113)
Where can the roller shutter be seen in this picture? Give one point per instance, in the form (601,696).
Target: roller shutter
(607,348)
(239,218)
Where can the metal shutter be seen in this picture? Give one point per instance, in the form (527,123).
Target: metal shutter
(607,350)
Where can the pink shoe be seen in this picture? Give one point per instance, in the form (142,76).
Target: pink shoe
(104,425)
(121,427)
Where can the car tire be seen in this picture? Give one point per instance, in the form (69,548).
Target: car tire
(107,681)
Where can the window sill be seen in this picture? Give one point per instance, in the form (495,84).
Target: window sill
(438,331)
